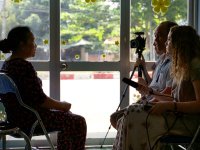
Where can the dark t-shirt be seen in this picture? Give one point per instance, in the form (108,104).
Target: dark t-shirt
(185,90)
(30,88)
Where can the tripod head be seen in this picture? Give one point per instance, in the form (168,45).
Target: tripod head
(138,43)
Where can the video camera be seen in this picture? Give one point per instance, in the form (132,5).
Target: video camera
(138,42)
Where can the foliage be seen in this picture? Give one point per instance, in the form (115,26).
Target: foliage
(94,22)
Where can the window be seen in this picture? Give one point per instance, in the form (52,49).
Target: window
(93,95)
(144,19)
(32,13)
(90,30)
(84,49)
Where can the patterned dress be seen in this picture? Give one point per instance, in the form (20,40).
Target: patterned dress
(71,127)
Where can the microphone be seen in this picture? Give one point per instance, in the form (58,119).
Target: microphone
(134,84)
(130,82)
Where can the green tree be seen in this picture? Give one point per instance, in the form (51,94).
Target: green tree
(95,22)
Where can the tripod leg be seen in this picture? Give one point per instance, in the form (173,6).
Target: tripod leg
(141,73)
(121,100)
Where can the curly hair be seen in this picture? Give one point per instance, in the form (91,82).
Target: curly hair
(186,47)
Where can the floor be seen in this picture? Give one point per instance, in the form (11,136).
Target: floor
(47,148)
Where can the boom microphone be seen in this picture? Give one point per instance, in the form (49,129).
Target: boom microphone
(130,82)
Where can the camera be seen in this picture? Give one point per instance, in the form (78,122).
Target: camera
(139,41)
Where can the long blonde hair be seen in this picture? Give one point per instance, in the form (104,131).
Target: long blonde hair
(186,47)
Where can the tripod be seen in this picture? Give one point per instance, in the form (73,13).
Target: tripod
(140,73)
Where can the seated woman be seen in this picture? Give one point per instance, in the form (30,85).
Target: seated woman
(142,129)
(55,115)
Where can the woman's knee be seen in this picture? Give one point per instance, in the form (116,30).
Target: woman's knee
(80,121)
(81,118)
(113,120)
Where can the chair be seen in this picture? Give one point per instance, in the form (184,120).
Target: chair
(7,85)
(183,142)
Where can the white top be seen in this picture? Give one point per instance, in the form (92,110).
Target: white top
(161,77)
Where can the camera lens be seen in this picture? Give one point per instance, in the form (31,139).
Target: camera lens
(134,43)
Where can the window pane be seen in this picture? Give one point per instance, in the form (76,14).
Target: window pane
(90,30)
(94,95)
(44,76)
(32,13)
(143,19)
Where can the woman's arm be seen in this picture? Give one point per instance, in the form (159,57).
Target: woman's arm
(185,107)
(50,103)
(161,98)
(164,95)
(191,106)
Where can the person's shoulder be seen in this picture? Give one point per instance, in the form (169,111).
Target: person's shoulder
(161,58)
(19,61)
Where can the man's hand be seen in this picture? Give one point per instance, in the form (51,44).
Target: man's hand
(142,81)
(140,61)
(143,89)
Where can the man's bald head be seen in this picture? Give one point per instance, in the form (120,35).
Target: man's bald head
(161,34)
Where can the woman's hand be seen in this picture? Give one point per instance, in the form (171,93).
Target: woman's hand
(66,106)
(154,100)
(161,107)
(51,103)
(157,97)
